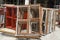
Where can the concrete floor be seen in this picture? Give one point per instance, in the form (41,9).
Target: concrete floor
(52,36)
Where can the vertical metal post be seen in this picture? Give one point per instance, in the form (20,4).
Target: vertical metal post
(17,2)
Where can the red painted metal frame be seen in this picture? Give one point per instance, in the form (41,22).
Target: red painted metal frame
(11,17)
